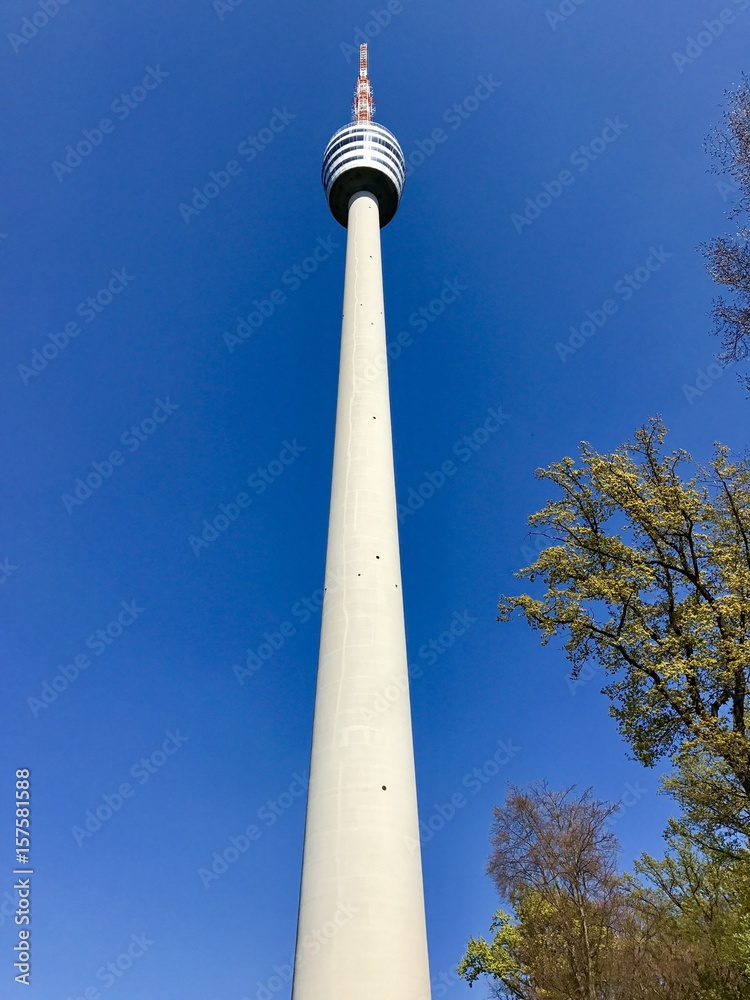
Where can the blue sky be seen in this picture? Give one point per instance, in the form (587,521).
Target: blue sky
(574,159)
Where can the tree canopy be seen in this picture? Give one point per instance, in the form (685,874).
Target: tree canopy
(646,570)
(554,860)
(679,929)
(649,573)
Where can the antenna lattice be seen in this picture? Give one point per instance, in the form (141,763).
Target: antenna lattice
(363,109)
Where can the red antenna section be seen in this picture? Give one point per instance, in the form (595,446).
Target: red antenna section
(363,109)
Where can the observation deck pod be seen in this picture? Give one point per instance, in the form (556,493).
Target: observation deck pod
(363,156)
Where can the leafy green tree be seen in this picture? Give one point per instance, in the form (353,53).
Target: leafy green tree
(648,572)
(697,905)
(676,930)
(554,860)
(715,811)
(500,961)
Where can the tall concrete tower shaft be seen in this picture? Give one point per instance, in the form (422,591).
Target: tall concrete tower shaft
(361,932)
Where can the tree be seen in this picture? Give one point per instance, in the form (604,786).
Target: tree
(500,960)
(677,930)
(715,812)
(729,256)
(649,574)
(554,860)
(697,904)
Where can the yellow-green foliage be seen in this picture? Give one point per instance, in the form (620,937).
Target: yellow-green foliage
(648,572)
(498,958)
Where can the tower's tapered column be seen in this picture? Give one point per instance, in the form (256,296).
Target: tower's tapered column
(361,932)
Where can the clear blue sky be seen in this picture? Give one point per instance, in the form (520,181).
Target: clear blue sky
(169,93)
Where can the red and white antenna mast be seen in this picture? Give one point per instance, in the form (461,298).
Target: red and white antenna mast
(363,109)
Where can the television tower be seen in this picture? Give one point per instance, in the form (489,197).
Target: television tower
(361,930)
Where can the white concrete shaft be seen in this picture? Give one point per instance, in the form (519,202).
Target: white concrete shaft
(361,931)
